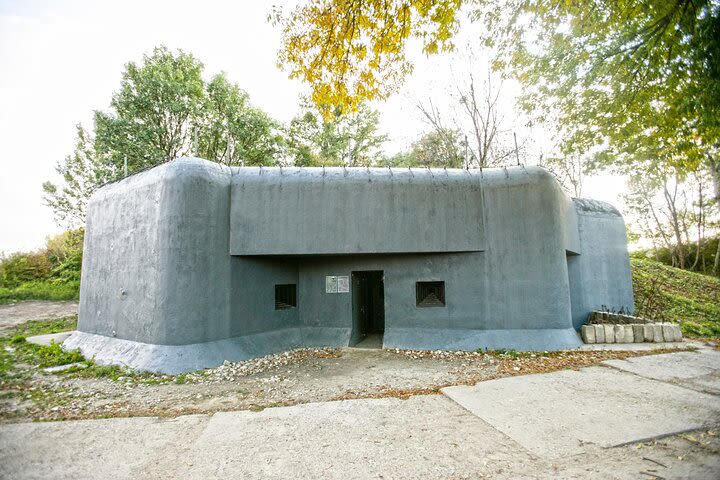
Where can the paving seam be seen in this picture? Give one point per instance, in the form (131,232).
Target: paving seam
(664,435)
(705,426)
(508,437)
(674,384)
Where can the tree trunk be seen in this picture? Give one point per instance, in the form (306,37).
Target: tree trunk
(714,167)
(700,222)
(670,201)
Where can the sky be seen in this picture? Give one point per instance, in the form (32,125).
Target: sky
(61,60)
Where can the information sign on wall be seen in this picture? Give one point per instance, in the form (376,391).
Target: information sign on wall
(337,284)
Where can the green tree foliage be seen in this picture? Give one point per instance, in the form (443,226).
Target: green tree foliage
(613,75)
(350,139)
(153,115)
(82,172)
(19,268)
(437,149)
(443,148)
(234,132)
(163,110)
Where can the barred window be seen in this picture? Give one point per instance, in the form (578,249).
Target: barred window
(285,296)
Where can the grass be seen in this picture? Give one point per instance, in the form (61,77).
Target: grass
(47,290)
(20,360)
(665,293)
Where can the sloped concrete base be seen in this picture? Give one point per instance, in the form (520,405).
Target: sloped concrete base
(175,359)
(471,340)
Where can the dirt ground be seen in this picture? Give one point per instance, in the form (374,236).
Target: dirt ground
(15,313)
(296,377)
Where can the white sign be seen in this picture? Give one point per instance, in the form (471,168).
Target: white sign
(331,284)
(337,284)
(343,284)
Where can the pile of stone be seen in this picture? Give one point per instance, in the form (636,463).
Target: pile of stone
(606,327)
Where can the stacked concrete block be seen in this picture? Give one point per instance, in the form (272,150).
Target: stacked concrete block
(631,333)
(658,333)
(599,333)
(615,318)
(588,333)
(609,333)
(638,333)
(648,333)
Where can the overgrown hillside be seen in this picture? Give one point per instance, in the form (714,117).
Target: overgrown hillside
(670,294)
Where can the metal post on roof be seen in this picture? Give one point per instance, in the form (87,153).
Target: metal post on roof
(467,165)
(517,155)
(125,166)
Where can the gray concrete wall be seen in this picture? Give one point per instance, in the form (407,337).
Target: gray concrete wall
(601,275)
(253,294)
(519,283)
(349,211)
(156,267)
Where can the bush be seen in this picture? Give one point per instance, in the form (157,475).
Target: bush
(20,268)
(52,273)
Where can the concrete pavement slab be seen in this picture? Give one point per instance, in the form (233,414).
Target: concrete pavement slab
(699,370)
(555,414)
(116,448)
(422,437)
(426,436)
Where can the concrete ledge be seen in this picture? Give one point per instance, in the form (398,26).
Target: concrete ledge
(471,340)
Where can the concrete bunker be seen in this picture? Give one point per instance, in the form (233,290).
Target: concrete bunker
(192,263)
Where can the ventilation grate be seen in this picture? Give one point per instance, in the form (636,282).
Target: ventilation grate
(430,294)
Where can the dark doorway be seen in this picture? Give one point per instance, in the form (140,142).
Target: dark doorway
(368,309)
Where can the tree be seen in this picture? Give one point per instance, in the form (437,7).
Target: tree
(234,132)
(82,172)
(568,171)
(163,110)
(350,52)
(439,148)
(603,69)
(671,210)
(478,116)
(153,115)
(350,139)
